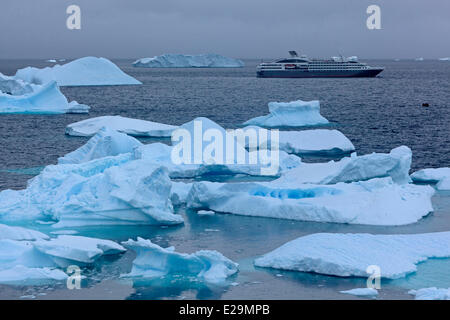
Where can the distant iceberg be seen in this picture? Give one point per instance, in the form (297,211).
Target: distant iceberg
(290,114)
(87,71)
(189,61)
(315,142)
(440,176)
(374,202)
(395,164)
(133,127)
(105,143)
(46,99)
(431,293)
(347,255)
(152,261)
(444,59)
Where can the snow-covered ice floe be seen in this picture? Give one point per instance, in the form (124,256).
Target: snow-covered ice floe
(37,99)
(290,114)
(106,142)
(189,61)
(317,142)
(87,71)
(348,255)
(395,164)
(362,292)
(375,202)
(440,176)
(36,262)
(153,261)
(133,127)
(109,190)
(431,293)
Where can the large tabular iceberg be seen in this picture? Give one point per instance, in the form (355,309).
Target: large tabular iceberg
(395,164)
(133,127)
(290,114)
(440,176)
(153,261)
(105,143)
(375,202)
(348,255)
(110,190)
(189,61)
(45,99)
(87,71)
(431,294)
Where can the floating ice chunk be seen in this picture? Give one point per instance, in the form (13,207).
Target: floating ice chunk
(431,294)
(21,275)
(290,114)
(444,59)
(19,233)
(45,99)
(36,262)
(67,248)
(396,164)
(106,142)
(363,292)
(318,142)
(132,127)
(440,176)
(153,261)
(374,202)
(87,71)
(189,61)
(110,190)
(51,60)
(348,255)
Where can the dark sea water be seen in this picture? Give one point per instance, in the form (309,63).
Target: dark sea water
(376,114)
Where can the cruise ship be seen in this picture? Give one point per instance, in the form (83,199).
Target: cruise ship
(302,67)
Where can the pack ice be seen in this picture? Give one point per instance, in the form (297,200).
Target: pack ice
(133,127)
(17,96)
(317,142)
(440,176)
(431,293)
(30,257)
(109,190)
(189,61)
(395,164)
(290,114)
(152,261)
(87,71)
(375,202)
(348,255)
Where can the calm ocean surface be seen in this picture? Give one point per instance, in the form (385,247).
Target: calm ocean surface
(376,114)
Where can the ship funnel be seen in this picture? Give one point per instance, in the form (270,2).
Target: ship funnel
(293,54)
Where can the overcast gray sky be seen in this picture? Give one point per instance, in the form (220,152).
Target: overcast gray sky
(237,28)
